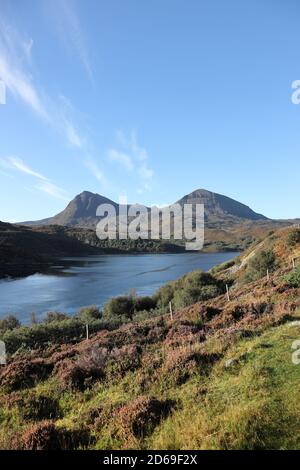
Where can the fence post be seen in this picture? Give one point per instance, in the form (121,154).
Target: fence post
(268,275)
(293,263)
(87,331)
(171,311)
(227,292)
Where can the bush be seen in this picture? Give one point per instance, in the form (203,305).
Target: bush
(191,288)
(46,436)
(293,279)
(89,314)
(144,303)
(190,295)
(9,323)
(119,307)
(66,331)
(259,264)
(35,407)
(293,238)
(142,415)
(55,317)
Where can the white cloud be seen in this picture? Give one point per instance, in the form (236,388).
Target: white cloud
(95,170)
(21,86)
(72,135)
(122,158)
(146,173)
(68,25)
(136,158)
(15,163)
(43,184)
(52,190)
(27,45)
(17,78)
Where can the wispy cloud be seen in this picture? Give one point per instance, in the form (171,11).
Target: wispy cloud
(52,190)
(68,25)
(122,158)
(133,157)
(18,164)
(15,72)
(72,135)
(95,170)
(43,183)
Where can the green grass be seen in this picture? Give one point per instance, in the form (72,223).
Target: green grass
(251,405)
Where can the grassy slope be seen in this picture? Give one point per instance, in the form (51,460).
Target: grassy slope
(202,400)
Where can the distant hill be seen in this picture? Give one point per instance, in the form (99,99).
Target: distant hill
(81,211)
(26,250)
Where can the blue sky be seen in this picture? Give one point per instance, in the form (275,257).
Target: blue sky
(149,99)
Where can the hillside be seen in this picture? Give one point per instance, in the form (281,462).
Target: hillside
(218,375)
(24,251)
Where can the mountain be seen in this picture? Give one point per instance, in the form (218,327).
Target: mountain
(81,211)
(220,208)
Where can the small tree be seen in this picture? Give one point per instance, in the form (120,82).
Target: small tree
(89,314)
(54,317)
(121,306)
(9,323)
(258,266)
(293,279)
(293,238)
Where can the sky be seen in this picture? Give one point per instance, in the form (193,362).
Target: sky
(149,100)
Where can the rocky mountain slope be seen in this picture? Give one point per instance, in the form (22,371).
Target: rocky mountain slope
(81,211)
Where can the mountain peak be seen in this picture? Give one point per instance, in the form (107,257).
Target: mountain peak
(81,211)
(218,207)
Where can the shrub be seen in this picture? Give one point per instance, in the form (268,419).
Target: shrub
(293,279)
(144,303)
(293,238)
(46,436)
(88,367)
(55,317)
(259,264)
(24,374)
(140,417)
(189,289)
(119,307)
(38,407)
(9,323)
(190,295)
(67,331)
(89,314)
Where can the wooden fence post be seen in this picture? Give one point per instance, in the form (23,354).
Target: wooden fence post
(268,275)
(171,311)
(293,263)
(227,292)
(87,331)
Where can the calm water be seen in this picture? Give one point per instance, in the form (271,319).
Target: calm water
(90,280)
